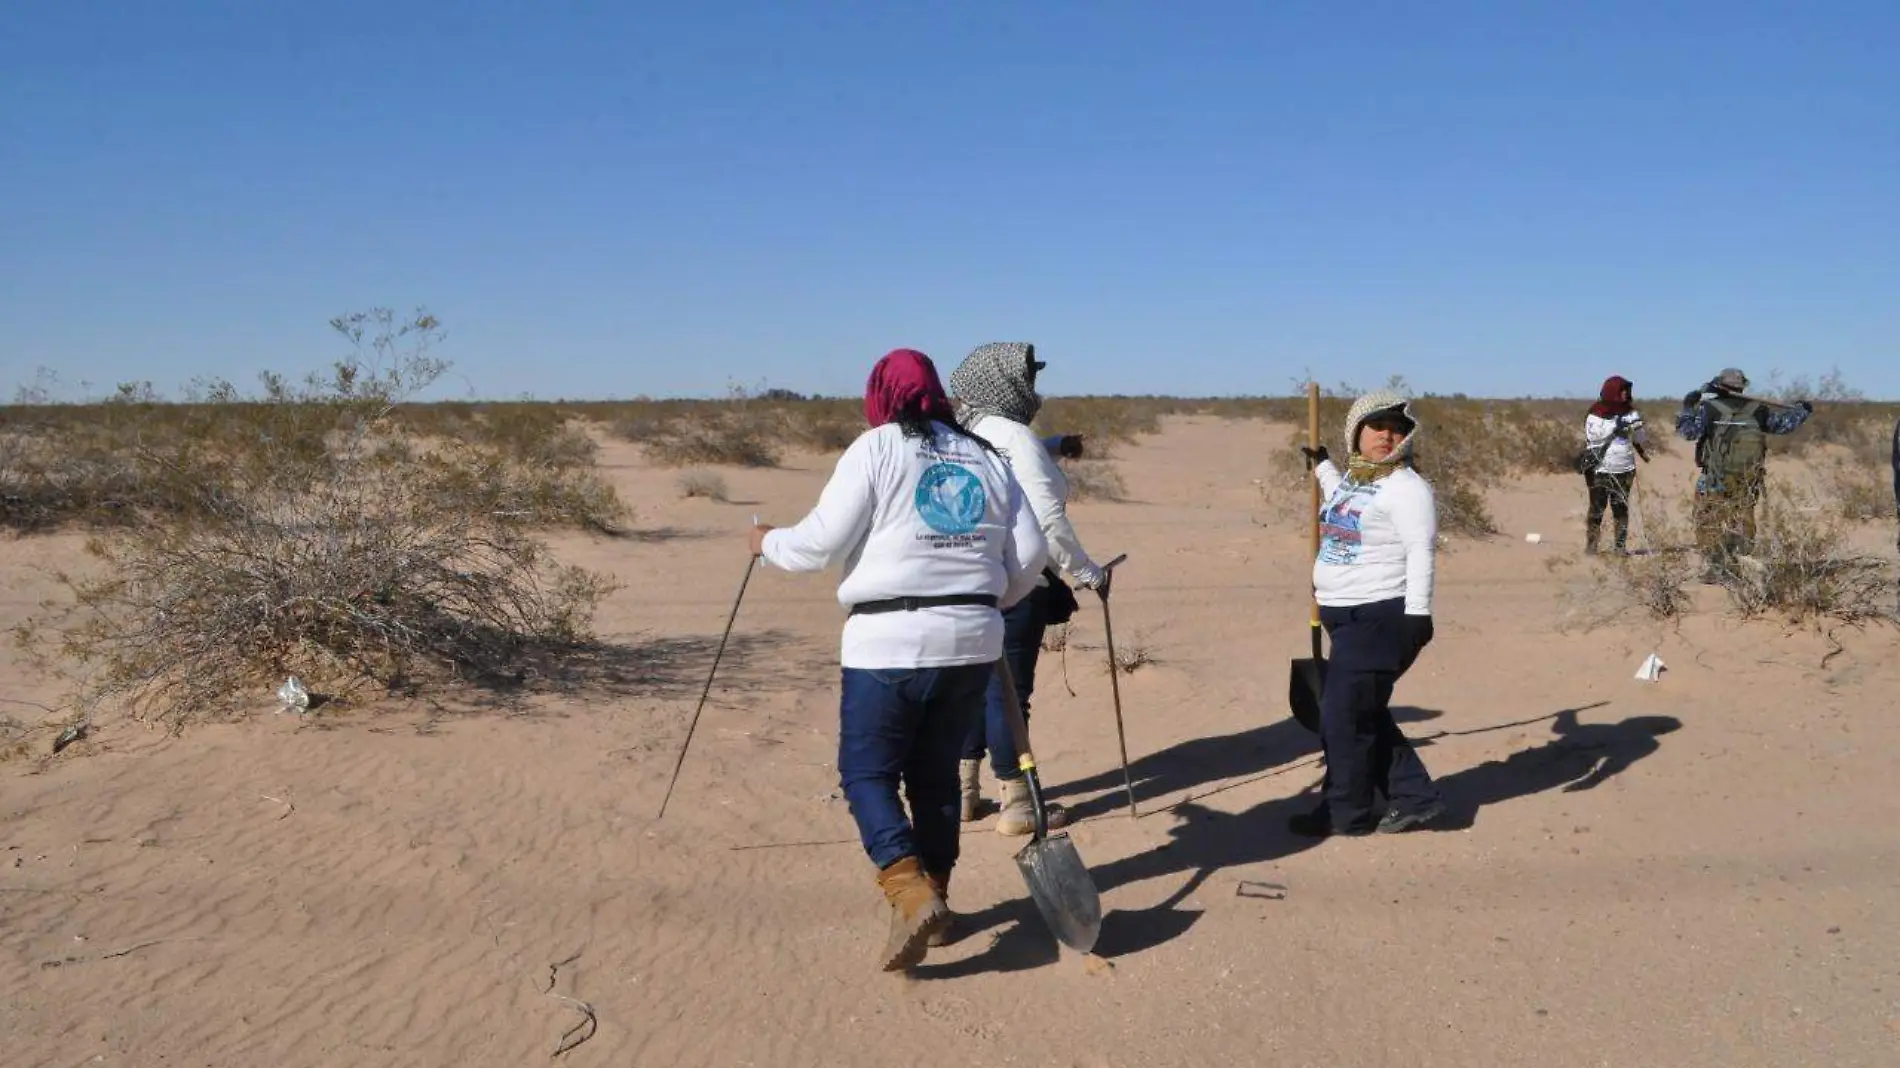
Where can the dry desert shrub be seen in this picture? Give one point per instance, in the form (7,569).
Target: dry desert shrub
(1133,654)
(1843,416)
(530,432)
(821,425)
(1547,446)
(14,739)
(1266,409)
(131,456)
(738,431)
(640,422)
(1804,570)
(1655,583)
(737,438)
(1055,639)
(703,484)
(1094,480)
(1104,422)
(1855,489)
(1461,506)
(345,557)
(63,465)
(752,428)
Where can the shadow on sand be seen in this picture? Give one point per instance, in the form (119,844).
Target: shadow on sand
(1205,841)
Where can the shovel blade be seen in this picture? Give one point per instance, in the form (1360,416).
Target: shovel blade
(1303,690)
(1060,885)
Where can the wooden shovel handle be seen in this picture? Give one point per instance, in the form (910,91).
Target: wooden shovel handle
(1019,733)
(1312,442)
(1013,714)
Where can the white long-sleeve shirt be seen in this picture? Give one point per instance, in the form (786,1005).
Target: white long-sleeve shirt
(1378,540)
(1619,457)
(912,518)
(1047,489)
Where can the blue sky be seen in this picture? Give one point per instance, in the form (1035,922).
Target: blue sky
(605,200)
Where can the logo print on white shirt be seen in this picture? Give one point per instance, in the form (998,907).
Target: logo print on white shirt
(950,499)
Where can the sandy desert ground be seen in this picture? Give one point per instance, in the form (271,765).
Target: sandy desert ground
(1703,871)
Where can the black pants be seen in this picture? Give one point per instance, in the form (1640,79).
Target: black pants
(1613,492)
(1366,753)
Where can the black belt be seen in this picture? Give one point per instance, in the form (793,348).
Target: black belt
(912,604)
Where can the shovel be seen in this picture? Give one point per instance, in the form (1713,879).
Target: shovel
(1307,681)
(1059,882)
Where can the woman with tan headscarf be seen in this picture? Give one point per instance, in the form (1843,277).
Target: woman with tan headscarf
(1373,579)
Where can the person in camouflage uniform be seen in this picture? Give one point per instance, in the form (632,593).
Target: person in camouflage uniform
(1730,431)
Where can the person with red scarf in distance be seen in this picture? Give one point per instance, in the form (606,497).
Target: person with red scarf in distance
(934,538)
(1614,436)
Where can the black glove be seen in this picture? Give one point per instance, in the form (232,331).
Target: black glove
(1806,406)
(1314,457)
(1070,447)
(1692,398)
(1418,632)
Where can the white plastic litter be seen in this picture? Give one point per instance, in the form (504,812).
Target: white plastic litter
(293,695)
(1652,668)
(1533,538)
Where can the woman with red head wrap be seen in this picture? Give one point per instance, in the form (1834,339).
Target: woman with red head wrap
(934,538)
(1614,437)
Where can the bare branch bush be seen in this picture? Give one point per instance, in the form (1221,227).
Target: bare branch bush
(1655,584)
(332,547)
(1804,570)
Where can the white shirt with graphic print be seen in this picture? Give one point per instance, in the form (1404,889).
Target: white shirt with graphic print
(911,518)
(1378,540)
(1617,438)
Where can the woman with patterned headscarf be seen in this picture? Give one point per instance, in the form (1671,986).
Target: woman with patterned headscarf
(995,389)
(1373,579)
(934,537)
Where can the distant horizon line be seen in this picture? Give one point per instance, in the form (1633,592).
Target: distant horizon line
(791,397)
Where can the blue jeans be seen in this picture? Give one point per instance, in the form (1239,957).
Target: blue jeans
(907,726)
(1023,626)
(1366,753)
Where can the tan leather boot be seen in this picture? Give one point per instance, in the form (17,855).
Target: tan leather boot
(971,774)
(1019,817)
(917,911)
